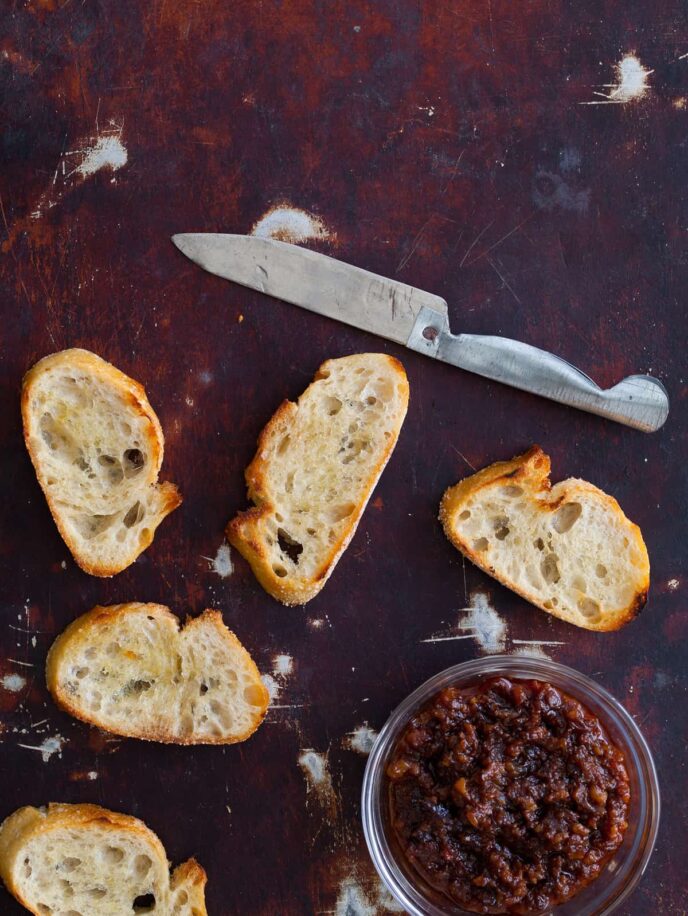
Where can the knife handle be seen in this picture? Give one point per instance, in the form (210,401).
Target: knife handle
(639,401)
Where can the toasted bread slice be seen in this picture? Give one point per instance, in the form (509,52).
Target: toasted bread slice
(568,549)
(130,670)
(85,860)
(97,448)
(317,463)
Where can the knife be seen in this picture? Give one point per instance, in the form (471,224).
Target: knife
(419,320)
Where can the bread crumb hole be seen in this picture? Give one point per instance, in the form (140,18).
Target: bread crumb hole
(464,515)
(145,903)
(310,531)
(289,545)
(579,583)
(547,605)
(81,673)
(332,405)
(254,695)
(134,460)
(44,908)
(589,609)
(511,492)
(70,863)
(566,517)
(284,445)
(27,868)
(601,570)
(67,888)
(279,570)
(142,865)
(480,544)
(97,893)
(539,543)
(550,569)
(502,533)
(183,898)
(134,515)
(113,855)
(370,400)
(289,482)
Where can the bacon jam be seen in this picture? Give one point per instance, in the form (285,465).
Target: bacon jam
(508,796)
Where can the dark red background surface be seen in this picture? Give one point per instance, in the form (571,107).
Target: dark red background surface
(411,129)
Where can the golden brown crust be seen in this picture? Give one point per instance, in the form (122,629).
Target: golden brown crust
(532,469)
(191,877)
(85,629)
(243,531)
(134,393)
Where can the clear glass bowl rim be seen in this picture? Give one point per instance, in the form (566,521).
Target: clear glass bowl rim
(624,880)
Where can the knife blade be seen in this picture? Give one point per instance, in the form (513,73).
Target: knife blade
(417,319)
(313,281)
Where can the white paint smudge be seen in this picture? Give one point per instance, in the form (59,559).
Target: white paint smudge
(108,152)
(50,746)
(222,563)
(282,666)
(361,739)
(480,622)
(273,688)
(673,584)
(92,775)
(13,683)
(534,647)
(353,900)
(290,224)
(631,83)
(105,150)
(316,770)
(534,650)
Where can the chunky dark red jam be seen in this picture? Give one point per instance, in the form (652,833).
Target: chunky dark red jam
(507,797)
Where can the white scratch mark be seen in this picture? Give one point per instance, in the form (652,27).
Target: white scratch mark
(480,622)
(49,747)
(13,683)
(222,564)
(15,661)
(290,224)
(631,83)
(361,739)
(538,642)
(316,623)
(673,584)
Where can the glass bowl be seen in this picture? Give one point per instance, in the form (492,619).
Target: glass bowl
(624,869)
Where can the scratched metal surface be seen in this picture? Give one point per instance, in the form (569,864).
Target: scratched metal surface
(451,145)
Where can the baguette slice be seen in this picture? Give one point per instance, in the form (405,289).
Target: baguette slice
(97,448)
(567,549)
(317,463)
(130,670)
(188,890)
(82,860)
